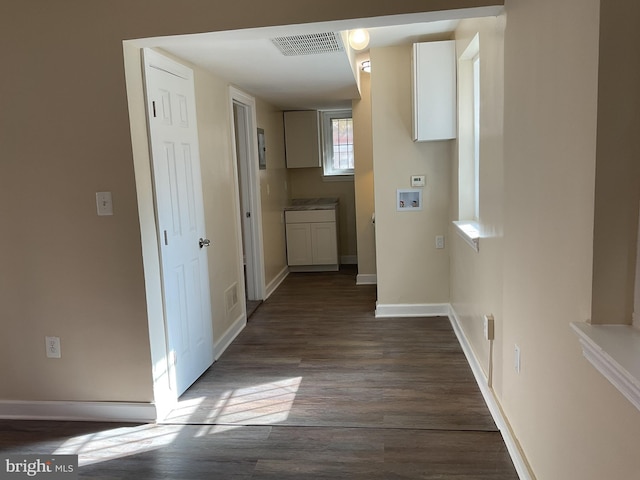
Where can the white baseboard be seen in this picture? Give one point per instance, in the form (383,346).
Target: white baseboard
(412,310)
(490,399)
(232,332)
(367,279)
(78,411)
(349,259)
(275,283)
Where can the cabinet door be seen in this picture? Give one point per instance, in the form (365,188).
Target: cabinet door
(324,243)
(434,91)
(302,139)
(299,250)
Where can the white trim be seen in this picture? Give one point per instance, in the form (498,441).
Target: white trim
(636,294)
(229,336)
(470,232)
(275,283)
(326,136)
(412,310)
(613,351)
(314,268)
(158,61)
(366,279)
(338,178)
(517,457)
(348,259)
(78,411)
(238,96)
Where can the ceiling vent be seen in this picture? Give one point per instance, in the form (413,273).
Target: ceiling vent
(311,44)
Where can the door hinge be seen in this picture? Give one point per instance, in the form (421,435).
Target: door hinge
(166,238)
(154,109)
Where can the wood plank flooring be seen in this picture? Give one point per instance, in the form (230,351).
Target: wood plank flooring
(314,388)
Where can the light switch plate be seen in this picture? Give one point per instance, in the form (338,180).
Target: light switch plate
(104,203)
(418,180)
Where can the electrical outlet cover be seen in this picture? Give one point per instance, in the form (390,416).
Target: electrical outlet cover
(52,346)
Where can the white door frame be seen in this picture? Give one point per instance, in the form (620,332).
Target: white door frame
(255,274)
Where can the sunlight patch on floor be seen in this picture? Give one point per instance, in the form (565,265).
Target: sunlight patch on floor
(118,443)
(264,404)
(124,441)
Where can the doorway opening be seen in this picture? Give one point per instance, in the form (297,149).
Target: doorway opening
(246,153)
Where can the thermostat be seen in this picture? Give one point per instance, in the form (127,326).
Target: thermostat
(417,180)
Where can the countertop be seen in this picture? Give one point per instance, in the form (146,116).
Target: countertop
(313,204)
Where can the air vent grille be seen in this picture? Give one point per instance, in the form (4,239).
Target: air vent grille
(311,44)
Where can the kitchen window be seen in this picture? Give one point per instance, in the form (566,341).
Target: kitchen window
(337,142)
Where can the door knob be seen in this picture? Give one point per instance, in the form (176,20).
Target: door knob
(204,242)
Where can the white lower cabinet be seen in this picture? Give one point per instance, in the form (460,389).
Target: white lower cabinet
(312,239)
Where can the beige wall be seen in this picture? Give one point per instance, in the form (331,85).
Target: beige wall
(476,277)
(570,421)
(410,270)
(563,104)
(220,194)
(64,271)
(363,178)
(309,183)
(274,191)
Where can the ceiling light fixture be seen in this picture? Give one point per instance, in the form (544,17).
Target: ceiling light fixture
(366,66)
(359,39)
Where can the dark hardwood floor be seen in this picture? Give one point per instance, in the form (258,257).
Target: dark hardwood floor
(314,388)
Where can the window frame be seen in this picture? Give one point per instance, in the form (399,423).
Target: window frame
(476,135)
(327,116)
(469,120)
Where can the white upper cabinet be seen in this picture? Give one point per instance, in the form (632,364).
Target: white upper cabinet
(434,91)
(302,139)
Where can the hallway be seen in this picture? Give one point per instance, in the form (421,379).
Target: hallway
(314,387)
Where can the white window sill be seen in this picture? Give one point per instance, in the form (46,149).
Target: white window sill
(614,350)
(470,232)
(338,178)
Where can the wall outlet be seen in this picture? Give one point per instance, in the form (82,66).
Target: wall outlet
(52,346)
(516,358)
(439,241)
(488,327)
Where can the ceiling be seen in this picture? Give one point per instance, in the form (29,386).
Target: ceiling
(248,58)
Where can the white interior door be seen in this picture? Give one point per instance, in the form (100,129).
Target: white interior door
(180,218)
